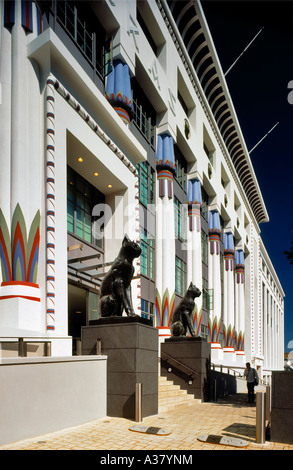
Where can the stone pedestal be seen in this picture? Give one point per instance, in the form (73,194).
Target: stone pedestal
(282,407)
(180,356)
(131,344)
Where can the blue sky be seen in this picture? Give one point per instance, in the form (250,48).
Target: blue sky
(258,85)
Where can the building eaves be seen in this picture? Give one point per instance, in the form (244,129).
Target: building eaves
(193,28)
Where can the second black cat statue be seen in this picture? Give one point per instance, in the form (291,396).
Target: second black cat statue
(115,292)
(181,320)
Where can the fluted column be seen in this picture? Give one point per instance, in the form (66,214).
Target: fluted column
(118,91)
(194,258)
(165,236)
(229,296)
(239,304)
(22,169)
(214,323)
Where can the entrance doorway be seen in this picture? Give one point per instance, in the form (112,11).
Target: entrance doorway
(82,307)
(77,306)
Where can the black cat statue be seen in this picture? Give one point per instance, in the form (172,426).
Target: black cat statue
(115,292)
(181,320)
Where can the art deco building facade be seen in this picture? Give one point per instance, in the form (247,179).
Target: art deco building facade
(116,118)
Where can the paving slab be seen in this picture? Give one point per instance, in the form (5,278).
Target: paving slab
(235,419)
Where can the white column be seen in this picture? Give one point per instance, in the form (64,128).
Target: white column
(229,297)
(165,235)
(214,269)
(239,305)
(194,258)
(5,118)
(265,325)
(20,295)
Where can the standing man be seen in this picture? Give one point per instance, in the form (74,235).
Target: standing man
(252,379)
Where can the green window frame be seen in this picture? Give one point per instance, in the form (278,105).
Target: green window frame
(205,204)
(180,276)
(81,199)
(146,177)
(204,247)
(180,219)
(181,168)
(147,257)
(205,294)
(147,309)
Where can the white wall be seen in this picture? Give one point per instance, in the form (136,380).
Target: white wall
(44,395)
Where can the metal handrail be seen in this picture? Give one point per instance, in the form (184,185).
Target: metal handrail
(240,376)
(22,345)
(180,363)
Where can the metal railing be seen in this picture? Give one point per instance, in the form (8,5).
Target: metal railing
(230,371)
(143,122)
(22,345)
(69,17)
(180,366)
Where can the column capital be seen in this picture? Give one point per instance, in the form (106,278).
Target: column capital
(118,91)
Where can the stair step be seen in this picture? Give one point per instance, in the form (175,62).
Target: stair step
(169,386)
(171,396)
(170,391)
(176,400)
(172,405)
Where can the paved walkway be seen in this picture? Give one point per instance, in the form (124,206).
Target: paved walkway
(234,418)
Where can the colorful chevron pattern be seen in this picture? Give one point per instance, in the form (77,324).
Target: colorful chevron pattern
(229,333)
(239,341)
(19,254)
(164,308)
(214,327)
(197,317)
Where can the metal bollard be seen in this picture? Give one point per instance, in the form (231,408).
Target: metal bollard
(260,417)
(22,348)
(138,402)
(98,347)
(268,403)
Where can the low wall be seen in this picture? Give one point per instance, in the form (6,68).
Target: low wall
(282,407)
(42,395)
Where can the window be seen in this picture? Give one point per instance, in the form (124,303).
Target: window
(204,247)
(146,31)
(180,276)
(144,115)
(146,176)
(147,310)
(181,168)
(204,294)
(207,296)
(208,146)
(180,213)
(87,33)
(210,299)
(147,256)
(205,204)
(81,199)
(204,331)
(182,102)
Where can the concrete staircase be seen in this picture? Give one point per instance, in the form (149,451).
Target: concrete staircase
(172,396)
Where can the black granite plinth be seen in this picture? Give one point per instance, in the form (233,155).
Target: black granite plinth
(179,339)
(282,407)
(115,320)
(131,344)
(180,356)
